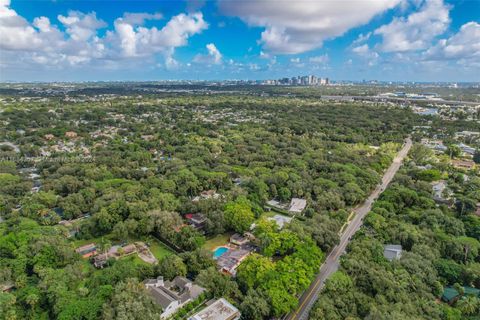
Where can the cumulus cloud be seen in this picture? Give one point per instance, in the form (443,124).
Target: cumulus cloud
(15,32)
(212,57)
(80,26)
(366,53)
(463,46)
(44,43)
(136,41)
(298,26)
(361,50)
(418,30)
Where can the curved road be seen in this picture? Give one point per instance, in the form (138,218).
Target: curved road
(331,264)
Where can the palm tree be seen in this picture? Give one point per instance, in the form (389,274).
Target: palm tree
(104,245)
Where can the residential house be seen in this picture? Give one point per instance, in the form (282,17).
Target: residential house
(196,220)
(392,252)
(467,149)
(467,134)
(436,145)
(70,134)
(463,164)
(230,260)
(451,295)
(87,250)
(220,309)
(204,195)
(280,220)
(49,136)
(239,240)
(276,205)
(438,190)
(297,205)
(172,295)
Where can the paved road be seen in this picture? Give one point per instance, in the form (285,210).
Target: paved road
(332,262)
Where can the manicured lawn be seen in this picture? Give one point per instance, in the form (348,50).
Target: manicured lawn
(216,241)
(158,249)
(138,261)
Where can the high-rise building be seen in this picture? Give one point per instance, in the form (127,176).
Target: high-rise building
(309,80)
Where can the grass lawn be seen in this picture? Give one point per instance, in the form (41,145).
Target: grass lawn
(133,258)
(269,214)
(216,241)
(158,249)
(81,242)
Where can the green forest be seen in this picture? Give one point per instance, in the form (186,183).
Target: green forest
(117,169)
(440,244)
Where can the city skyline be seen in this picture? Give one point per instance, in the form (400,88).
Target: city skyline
(422,41)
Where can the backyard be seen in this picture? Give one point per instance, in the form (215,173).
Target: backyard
(217,241)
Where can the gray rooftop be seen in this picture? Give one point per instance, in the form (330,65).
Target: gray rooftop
(280,220)
(180,289)
(392,252)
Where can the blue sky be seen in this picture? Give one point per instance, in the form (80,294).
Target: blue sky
(417,40)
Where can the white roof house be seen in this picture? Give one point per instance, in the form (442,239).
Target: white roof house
(438,188)
(280,220)
(297,205)
(392,252)
(221,309)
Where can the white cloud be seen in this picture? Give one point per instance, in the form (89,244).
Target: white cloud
(297,26)
(212,57)
(463,46)
(364,51)
(80,26)
(170,62)
(362,38)
(321,59)
(138,41)
(138,18)
(15,32)
(361,50)
(295,60)
(418,30)
(42,42)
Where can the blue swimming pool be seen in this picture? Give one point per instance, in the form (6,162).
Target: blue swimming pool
(219,251)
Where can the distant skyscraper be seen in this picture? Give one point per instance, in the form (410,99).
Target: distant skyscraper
(309,80)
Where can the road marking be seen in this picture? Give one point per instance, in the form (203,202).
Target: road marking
(317,282)
(344,238)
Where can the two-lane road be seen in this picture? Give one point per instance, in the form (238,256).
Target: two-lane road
(332,262)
